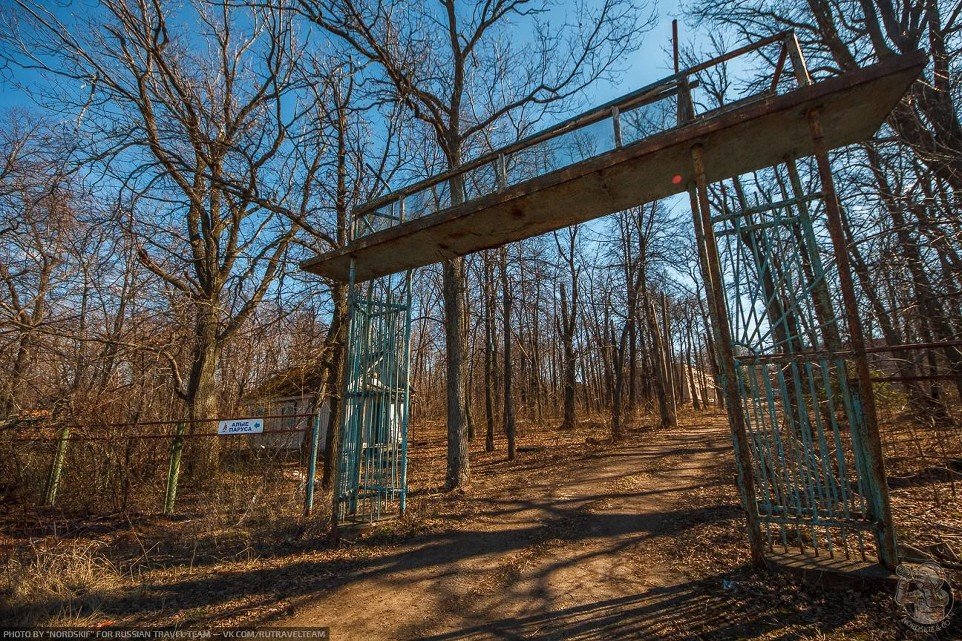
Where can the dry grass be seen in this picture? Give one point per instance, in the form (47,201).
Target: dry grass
(61,566)
(214,562)
(60,585)
(239,552)
(923,459)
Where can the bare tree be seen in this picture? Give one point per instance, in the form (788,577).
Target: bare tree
(841,36)
(37,220)
(567,322)
(462,71)
(343,165)
(184,109)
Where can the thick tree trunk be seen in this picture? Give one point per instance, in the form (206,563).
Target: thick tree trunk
(337,333)
(335,383)
(455,336)
(201,398)
(459,468)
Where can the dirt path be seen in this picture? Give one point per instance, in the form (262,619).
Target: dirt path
(572,555)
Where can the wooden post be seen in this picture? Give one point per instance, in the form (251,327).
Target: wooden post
(799,67)
(724,356)
(685,110)
(173,472)
(674,44)
(56,469)
(867,429)
(616,122)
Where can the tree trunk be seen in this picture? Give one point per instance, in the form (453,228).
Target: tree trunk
(666,411)
(459,467)
(568,339)
(12,396)
(927,299)
(335,383)
(617,426)
(669,357)
(632,369)
(692,385)
(201,398)
(907,369)
(509,420)
(489,377)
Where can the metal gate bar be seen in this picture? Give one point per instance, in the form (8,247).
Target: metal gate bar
(805,438)
(371,482)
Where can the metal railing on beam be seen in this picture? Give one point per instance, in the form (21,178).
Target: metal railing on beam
(680,83)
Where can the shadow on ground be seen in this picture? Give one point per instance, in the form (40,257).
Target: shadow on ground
(693,610)
(441,553)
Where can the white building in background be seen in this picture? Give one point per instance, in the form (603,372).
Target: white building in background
(290,397)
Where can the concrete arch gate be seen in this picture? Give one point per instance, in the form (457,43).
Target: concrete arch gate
(789,345)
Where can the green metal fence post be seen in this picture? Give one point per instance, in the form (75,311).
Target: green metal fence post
(406,395)
(312,463)
(53,482)
(176,450)
(339,435)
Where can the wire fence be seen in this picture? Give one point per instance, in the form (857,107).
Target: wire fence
(126,467)
(219,465)
(918,388)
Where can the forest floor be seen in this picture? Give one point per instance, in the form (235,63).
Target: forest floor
(580,538)
(643,539)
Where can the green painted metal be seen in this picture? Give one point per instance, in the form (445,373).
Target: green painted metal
(814,489)
(371,479)
(173,471)
(312,464)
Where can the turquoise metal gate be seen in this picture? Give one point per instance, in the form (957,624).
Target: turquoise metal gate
(815,485)
(371,479)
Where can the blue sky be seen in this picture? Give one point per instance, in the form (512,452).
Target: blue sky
(650,62)
(653,60)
